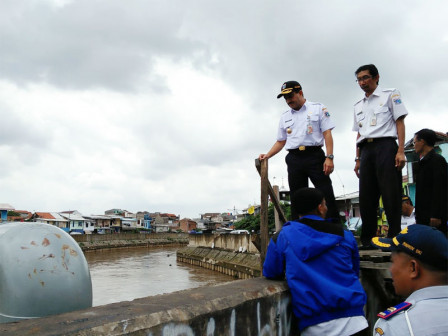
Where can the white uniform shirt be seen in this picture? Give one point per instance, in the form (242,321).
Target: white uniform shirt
(408,220)
(375,116)
(337,327)
(427,315)
(305,126)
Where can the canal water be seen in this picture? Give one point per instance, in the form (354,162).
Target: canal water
(127,274)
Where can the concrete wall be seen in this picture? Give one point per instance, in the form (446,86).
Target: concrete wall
(231,242)
(128,236)
(238,265)
(243,307)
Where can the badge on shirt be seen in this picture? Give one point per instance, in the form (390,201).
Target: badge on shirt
(309,129)
(373,121)
(379,331)
(396,99)
(289,130)
(325,111)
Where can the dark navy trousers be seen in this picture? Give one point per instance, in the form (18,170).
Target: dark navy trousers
(310,164)
(379,177)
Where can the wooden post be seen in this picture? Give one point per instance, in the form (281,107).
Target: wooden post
(278,225)
(264,234)
(274,198)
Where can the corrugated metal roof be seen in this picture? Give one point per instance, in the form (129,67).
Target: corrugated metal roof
(5,206)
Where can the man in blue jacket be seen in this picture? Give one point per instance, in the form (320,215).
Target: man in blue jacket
(321,263)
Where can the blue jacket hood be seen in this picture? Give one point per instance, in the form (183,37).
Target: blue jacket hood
(314,242)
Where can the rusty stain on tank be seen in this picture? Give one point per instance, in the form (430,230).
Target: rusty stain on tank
(45,242)
(24,247)
(33,243)
(51,255)
(65,247)
(57,235)
(42,283)
(73,253)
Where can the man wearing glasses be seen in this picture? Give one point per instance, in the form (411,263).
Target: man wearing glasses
(303,130)
(379,121)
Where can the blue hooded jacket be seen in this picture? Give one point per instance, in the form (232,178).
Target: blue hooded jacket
(321,268)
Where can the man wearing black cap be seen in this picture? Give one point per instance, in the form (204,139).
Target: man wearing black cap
(419,272)
(302,130)
(379,123)
(431,182)
(321,265)
(407,212)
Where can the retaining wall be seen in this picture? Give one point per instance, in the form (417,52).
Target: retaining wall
(226,241)
(89,242)
(243,307)
(238,265)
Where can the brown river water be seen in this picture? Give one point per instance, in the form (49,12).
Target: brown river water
(127,274)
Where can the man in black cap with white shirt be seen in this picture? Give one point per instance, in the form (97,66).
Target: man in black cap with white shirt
(303,130)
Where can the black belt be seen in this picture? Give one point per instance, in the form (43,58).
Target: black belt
(302,149)
(374,140)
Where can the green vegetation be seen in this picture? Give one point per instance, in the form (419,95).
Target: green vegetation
(253,222)
(13,213)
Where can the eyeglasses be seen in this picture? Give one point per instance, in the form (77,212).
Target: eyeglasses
(363,79)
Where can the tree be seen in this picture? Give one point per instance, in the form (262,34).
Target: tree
(253,222)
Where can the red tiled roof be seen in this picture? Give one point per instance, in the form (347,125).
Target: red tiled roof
(45,215)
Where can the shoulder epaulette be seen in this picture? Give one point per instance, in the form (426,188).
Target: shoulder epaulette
(387,90)
(389,312)
(358,101)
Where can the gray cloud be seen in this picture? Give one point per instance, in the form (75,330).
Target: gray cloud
(165,105)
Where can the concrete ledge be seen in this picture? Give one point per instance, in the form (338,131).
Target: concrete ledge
(91,242)
(238,265)
(244,307)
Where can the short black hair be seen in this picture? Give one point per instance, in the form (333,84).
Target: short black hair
(305,201)
(428,135)
(371,68)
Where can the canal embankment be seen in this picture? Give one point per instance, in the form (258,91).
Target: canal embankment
(94,242)
(243,307)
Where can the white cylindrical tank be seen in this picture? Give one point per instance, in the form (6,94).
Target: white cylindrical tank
(43,272)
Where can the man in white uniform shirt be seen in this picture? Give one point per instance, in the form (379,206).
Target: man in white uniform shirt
(379,122)
(407,212)
(302,130)
(419,272)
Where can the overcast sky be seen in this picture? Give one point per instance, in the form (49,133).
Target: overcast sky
(164,105)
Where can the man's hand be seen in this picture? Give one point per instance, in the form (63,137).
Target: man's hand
(261,157)
(357,165)
(400,160)
(328,166)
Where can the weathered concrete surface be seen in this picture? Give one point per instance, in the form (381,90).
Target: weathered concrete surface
(245,307)
(226,241)
(89,242)
(238,265)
